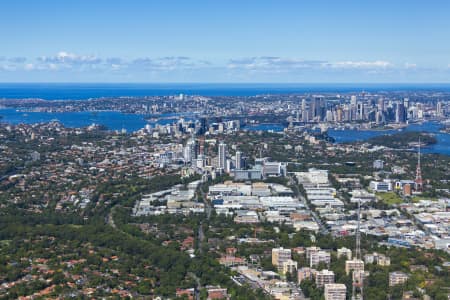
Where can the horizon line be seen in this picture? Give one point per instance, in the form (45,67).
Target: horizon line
(235,83)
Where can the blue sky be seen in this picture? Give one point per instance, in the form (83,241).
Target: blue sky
(224,41)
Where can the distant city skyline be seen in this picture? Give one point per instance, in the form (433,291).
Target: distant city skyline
(229,41)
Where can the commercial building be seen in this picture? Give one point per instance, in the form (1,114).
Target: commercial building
(271,169)
(253,174)
(380,186)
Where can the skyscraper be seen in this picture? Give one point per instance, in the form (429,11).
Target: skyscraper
(317,108)
(304,111)
(360,110)
(190,151)
(222,155)
(381,104)
(238,161)
(203,126)
(353,101)
(406,102)
(439,109)
(400,113)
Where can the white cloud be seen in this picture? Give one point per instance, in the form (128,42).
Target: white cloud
(272,63)
(262,68)
(29,67)
(360,64)
(170,63)
(8,67)
(68,58)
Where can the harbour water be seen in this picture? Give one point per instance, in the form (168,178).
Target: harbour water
(132,122)
(443,139)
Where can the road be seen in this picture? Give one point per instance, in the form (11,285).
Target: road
(323,228)
(208,207)
(110,218)
(201,237)
(198,287)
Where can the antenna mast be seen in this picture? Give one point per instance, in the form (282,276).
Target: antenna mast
(419,181)
(358,277)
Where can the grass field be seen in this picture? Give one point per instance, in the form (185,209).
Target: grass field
(416,199)
(390,198)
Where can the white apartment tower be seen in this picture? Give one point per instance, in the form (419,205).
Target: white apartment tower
(238,162)
(222,155)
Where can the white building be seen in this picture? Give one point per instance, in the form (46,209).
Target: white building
(222,155)
(396,278)
(335,291)
(304,274)
(324,277)
(380,186)
(378,164)
(238,160)
(354,265)
(289,266)
(344,252)
(319,257)
(280,255)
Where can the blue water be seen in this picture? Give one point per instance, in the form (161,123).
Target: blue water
(132,122)
(265,127)
(111,119)
(117,121)
(443,139)
(78,91)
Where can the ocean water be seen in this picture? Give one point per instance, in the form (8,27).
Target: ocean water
(79,91)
